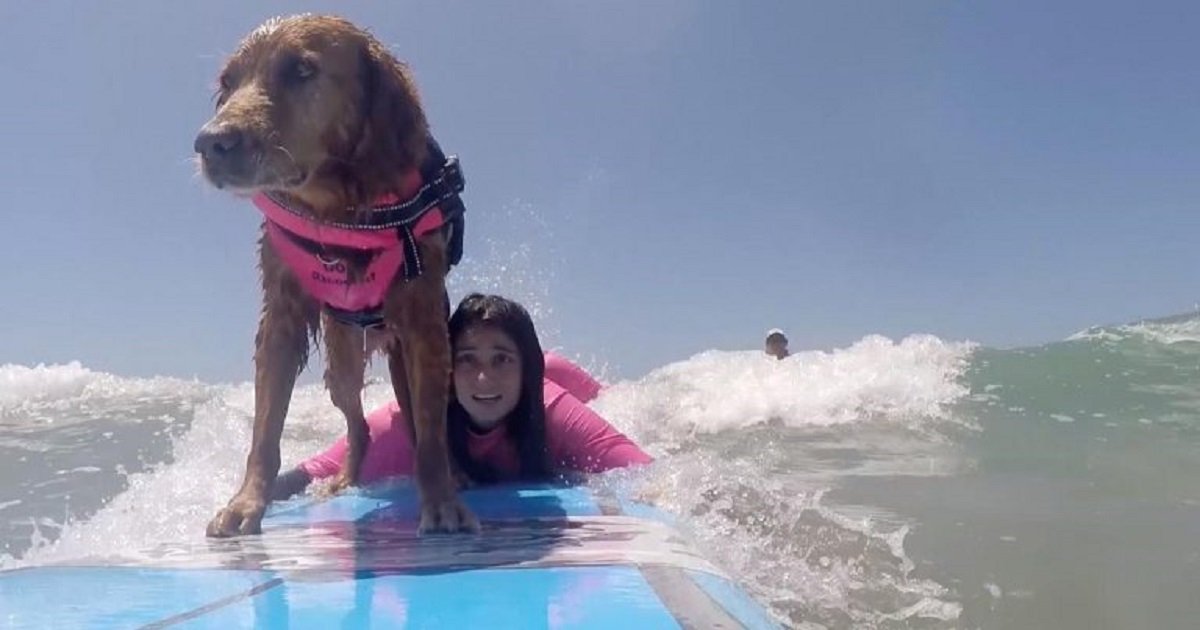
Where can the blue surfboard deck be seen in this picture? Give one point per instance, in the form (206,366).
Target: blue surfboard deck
(548,557)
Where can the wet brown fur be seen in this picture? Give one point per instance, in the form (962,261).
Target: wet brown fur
(330,120)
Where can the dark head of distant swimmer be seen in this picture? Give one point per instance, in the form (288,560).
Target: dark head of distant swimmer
(776,344)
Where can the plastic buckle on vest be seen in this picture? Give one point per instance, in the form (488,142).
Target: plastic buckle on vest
(450,179)
(365,319)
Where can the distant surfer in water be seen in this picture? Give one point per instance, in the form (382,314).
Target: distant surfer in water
(515,412)
(776,344)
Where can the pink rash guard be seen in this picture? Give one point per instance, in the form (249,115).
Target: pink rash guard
(579,440)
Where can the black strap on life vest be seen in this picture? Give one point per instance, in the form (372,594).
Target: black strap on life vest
(442,181)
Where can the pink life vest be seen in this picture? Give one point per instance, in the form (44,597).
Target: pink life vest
(316,252)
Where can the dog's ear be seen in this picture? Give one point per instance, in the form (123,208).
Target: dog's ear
(394,129)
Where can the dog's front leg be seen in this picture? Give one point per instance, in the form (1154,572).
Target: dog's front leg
(422,361)
(281,348)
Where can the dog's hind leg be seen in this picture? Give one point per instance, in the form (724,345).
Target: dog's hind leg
(346,364)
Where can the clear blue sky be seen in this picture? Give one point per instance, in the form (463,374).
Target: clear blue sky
(1008,172)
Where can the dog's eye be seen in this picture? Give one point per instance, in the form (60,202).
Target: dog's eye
(301,70)
(221,93)
(224,87)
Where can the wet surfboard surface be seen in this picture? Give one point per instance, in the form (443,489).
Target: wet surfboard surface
(548,557)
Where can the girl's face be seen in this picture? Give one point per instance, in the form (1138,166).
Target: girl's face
(487,375)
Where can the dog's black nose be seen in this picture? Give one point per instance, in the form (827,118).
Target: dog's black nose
(217,141)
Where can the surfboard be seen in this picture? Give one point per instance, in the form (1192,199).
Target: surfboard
(548,557)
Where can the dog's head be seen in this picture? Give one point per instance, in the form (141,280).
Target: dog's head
(316,108)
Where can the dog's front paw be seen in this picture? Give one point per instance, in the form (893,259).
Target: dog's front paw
(242,516)
(341,482)
(448,515)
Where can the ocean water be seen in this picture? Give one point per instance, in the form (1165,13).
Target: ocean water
(893,483)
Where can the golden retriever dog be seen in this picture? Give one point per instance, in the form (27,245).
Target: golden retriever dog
(322,128)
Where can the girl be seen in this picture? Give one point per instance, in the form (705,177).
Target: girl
(515,414)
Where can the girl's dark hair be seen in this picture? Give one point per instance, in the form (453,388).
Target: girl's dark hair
(526,424)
